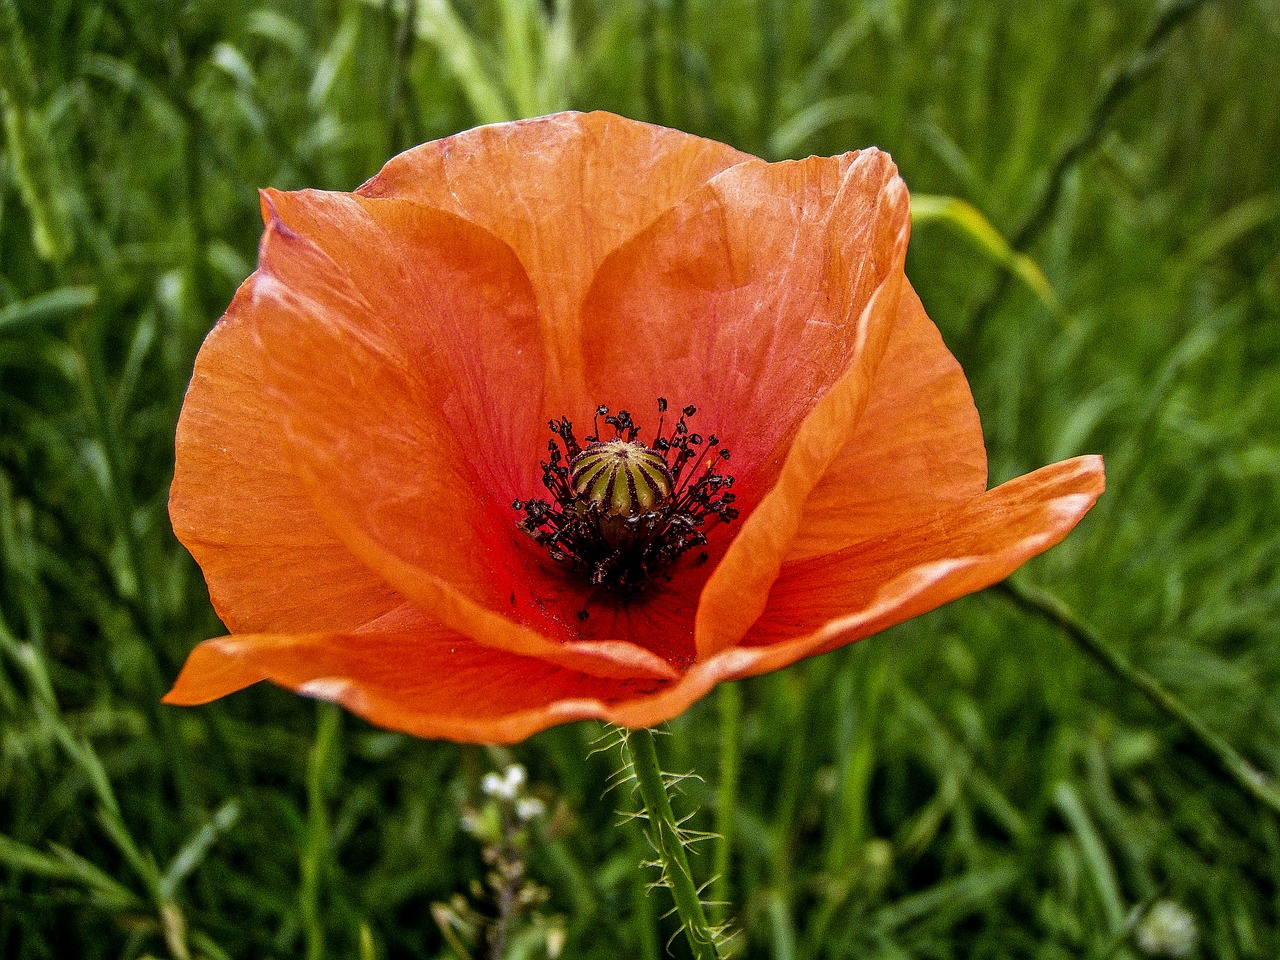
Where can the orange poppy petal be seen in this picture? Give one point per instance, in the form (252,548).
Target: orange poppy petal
(659,619)
(271,563)
(562,191)
(391,438)
(736,592)
(745,299)
(916,453)
(825,602)
(430,682)
(442,302)
(403,387)
(616,655)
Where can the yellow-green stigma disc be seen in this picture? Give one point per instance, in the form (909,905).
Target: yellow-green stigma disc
(624,477)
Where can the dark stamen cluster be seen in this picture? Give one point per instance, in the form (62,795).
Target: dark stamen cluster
(621,511)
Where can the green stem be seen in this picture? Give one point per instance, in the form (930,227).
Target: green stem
(730,711)
(1108,101)
(1050,608)
(31,154)
(316,853)
(667,841)
(141,587)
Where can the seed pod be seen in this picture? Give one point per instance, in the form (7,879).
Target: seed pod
(625,478)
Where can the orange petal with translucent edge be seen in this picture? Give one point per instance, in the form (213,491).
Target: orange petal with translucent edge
(399,381)
(745,300)
(916,452)
(820,604)
(270,562)
(735,593)
(431,682)
(563,191)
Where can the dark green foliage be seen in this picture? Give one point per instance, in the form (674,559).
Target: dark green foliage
(970,785)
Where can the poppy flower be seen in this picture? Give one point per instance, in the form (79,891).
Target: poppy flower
(454,457)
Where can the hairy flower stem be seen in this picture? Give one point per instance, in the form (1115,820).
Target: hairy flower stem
(664,831)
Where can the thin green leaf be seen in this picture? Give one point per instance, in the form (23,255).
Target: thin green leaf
(967,220)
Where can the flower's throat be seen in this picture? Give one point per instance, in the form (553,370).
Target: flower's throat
(620,511)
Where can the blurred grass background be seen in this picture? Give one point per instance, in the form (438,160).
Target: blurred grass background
(1097,227)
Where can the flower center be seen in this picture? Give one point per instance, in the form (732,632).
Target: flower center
(624,477)
(622,511)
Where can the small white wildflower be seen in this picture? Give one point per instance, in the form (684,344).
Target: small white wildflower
(515,778)
(504,786)
(493,786)
(1168,930)
(527,808)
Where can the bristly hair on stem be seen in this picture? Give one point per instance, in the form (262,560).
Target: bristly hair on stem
(671,841)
